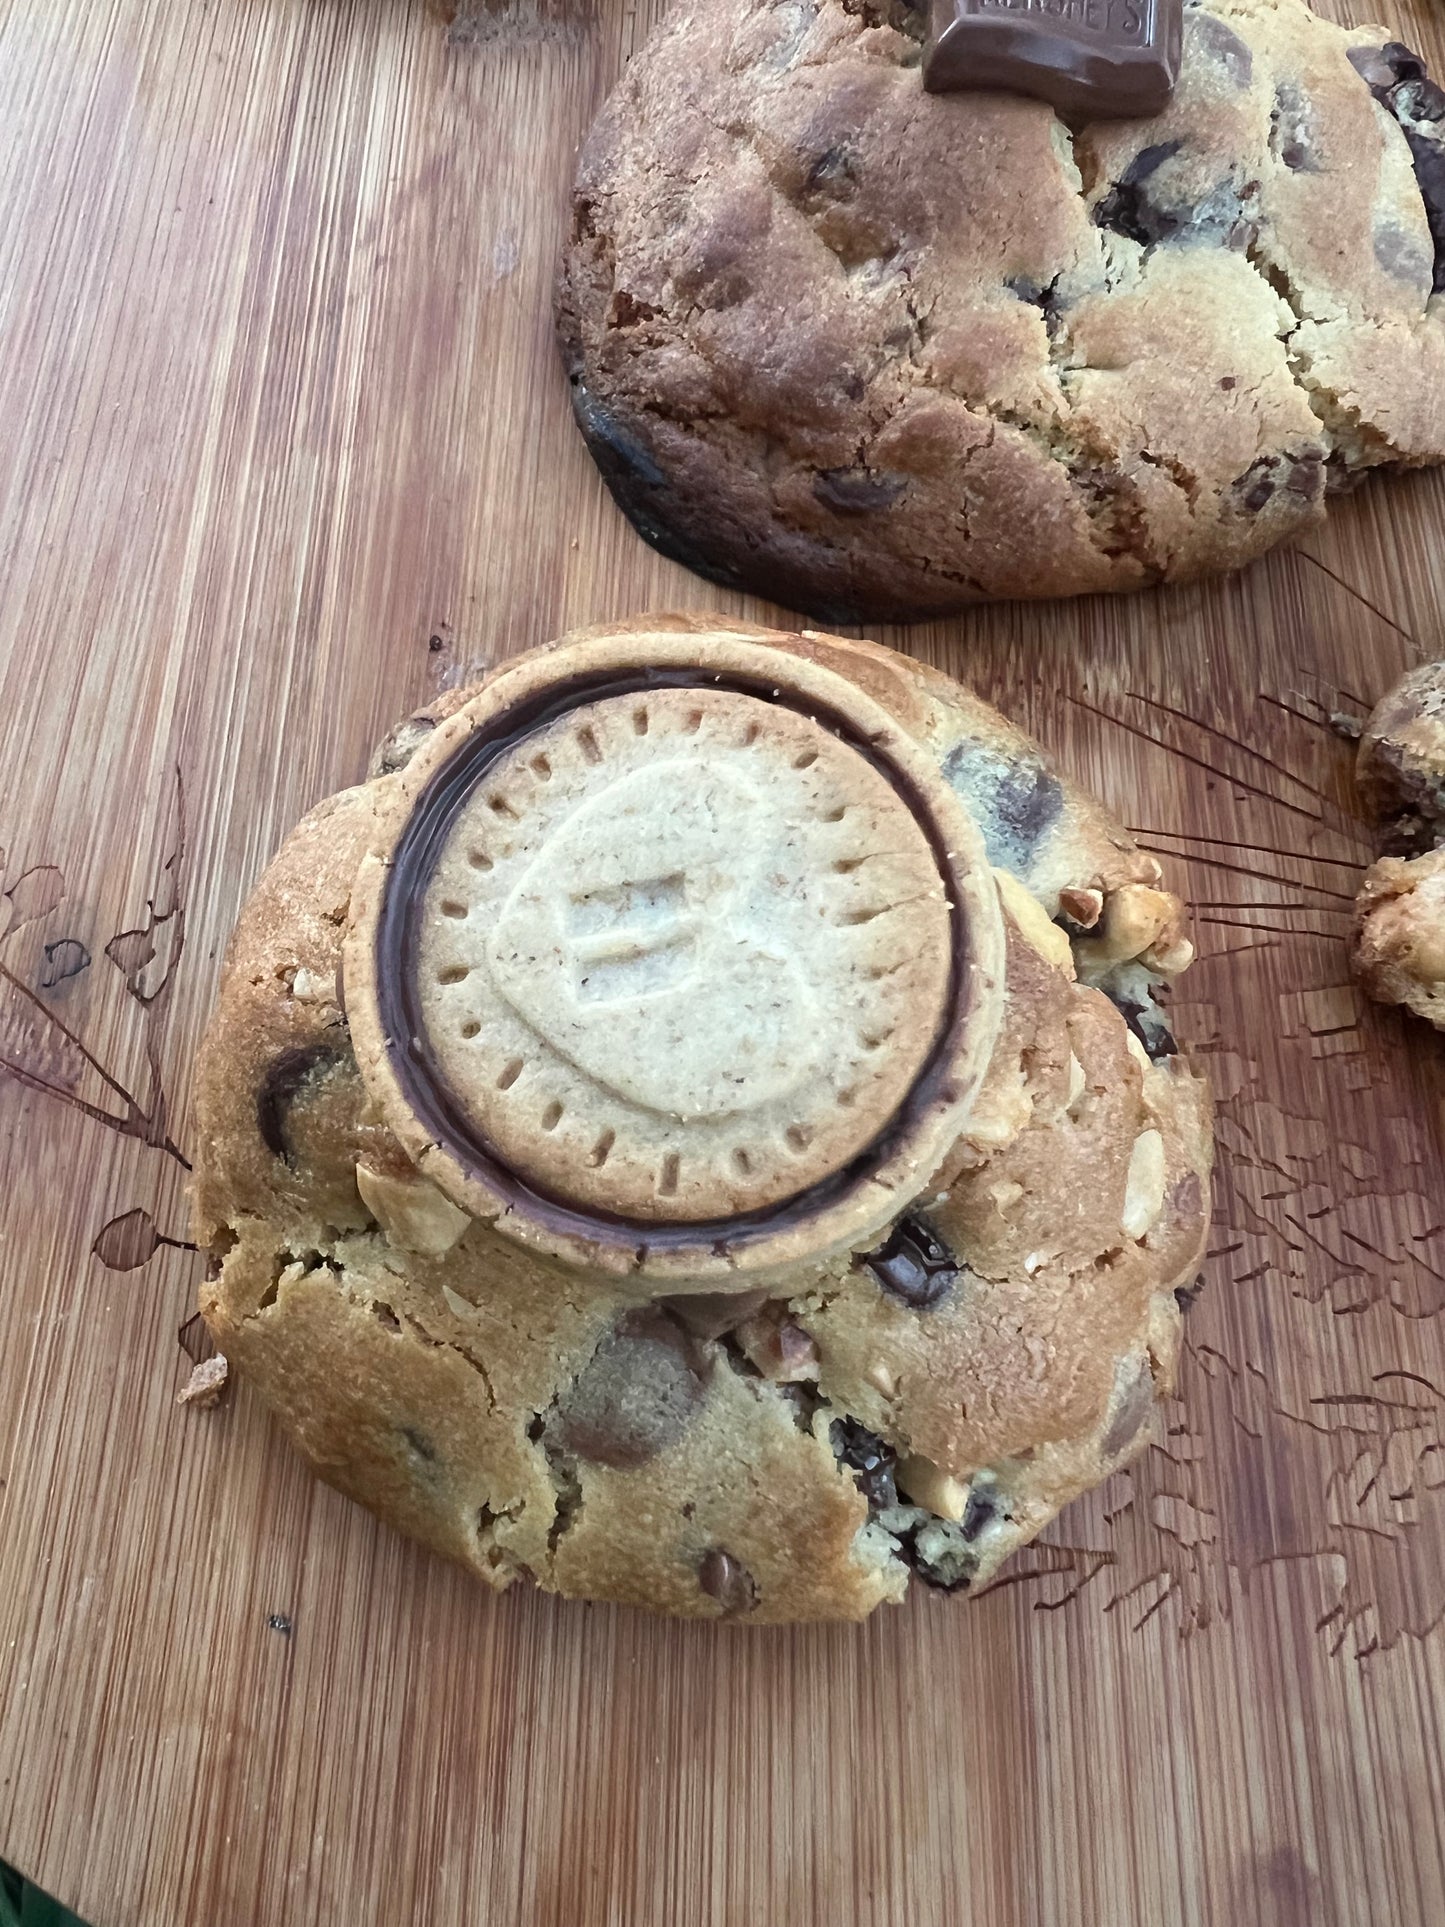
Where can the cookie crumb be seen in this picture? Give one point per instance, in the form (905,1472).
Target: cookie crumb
(206,1383)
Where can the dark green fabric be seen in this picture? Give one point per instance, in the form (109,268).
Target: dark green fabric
(22,1905)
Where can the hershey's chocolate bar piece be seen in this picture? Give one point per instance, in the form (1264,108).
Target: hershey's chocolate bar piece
(1091,59)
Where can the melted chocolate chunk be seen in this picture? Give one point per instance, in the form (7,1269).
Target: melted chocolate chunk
(943,1551)
(1291,129)
(1127,208)
(1041,295)
(1223,46)
(915,1264)
(1015,800)
(938,1551)
(982,1507)
(1134,1001)
(636,1395)
(857,491)
(868,1458)
(728,1581)
(1092,59)
(1147,214)
(286,1076)
(1398,80)
(1301,475)
(1398,255)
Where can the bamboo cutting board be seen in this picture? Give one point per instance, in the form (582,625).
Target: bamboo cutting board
(283,448)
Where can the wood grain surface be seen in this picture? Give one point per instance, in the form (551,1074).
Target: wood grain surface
(283,447)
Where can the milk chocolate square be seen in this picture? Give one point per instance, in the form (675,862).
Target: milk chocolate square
(1090,59)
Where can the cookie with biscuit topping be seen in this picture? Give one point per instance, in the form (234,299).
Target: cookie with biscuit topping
(699,1129)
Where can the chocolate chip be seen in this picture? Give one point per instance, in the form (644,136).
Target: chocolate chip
(1429,158)
(728,1581)
(1383,68)
(1185,1295)
(1131,992)
(1300,474)
(868,1458)
(857,491)
(1398,80)
(285,1077)
(982,1507)
(1418,100)
(914,1264)
(1223,46)
(637,1394)
(1374,69)
(1015,800)
(939,1553)
(1128,210)
(710,1314)
(1291,128)
(1305,476)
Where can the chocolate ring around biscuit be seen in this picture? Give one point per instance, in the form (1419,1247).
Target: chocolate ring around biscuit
(675,956)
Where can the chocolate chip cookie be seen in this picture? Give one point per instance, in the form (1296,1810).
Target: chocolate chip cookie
(1398,945)
(877,353)
(698,1128)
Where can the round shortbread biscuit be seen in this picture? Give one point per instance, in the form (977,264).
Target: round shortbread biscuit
(662,959)
(686,965)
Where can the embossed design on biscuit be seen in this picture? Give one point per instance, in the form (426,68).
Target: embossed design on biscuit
(663,921)
(684,953)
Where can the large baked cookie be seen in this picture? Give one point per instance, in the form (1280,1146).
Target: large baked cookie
(877,353)
(696,1128)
